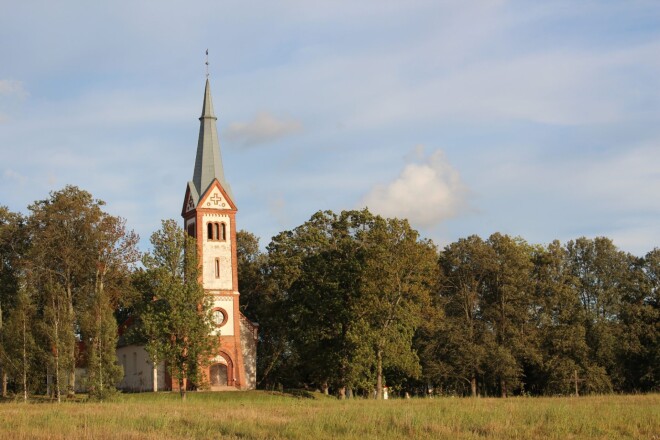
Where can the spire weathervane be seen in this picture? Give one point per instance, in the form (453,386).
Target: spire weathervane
(207,63)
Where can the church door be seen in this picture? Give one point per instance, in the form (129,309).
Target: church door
(218,375)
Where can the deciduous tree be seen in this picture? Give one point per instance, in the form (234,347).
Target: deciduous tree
(178,319)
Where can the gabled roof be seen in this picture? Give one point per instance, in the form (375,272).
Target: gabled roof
(208,162)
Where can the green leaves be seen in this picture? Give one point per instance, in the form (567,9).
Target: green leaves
(177,320)
(72,262)
(352,287)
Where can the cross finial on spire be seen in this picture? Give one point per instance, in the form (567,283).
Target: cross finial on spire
(207,63)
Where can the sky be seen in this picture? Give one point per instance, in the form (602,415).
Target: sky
(534,119)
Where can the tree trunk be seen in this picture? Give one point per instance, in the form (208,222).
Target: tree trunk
(25,392)
(503,387)
(57,376)
(473,386)
(325,388)
(182,388)
(49,388)
(342,393)
(4,383)
(56,355)
(155,377)
(71,386)
(379,374)
(99,330)
(2,368)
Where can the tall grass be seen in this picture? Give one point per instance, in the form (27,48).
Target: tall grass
(260,415)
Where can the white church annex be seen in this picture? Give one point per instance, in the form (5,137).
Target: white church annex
(209,215)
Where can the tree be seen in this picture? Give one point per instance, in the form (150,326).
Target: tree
(116,253)
(560,321)
(19,345)
(178,320)
(399,275)
(315,273)
(61,262)
(456,344)
(639,318)
(264,303)
(508,303)
(13,246)
(251,273)
(600,271)
(78,264)
(352,287)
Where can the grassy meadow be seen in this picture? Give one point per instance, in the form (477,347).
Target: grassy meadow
(262,415)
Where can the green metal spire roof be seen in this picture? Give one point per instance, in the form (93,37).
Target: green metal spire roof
(208,163)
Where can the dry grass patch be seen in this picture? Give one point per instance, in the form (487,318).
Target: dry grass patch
(260,415)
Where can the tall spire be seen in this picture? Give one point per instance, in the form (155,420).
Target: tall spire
(208,163)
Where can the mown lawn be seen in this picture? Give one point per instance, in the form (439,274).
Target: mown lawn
(261,415)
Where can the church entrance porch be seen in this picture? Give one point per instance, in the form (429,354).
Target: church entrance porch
(218,375)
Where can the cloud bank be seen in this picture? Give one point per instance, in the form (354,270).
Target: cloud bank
(425,193)
(262,129)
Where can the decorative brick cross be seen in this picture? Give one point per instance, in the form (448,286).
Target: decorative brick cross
(216,199)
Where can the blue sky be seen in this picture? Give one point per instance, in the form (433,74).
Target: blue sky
(538,119)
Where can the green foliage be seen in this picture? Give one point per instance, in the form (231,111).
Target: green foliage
(399,275)
(70,262)
(514,318)
(346,303)
(13,245)
(62,259)
(351,288)
(19,348)
(177,321)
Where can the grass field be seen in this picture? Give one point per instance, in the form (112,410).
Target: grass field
(261,415)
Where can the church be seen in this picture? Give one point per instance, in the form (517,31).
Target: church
(209,215)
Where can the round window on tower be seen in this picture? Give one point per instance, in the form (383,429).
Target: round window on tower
(219,317)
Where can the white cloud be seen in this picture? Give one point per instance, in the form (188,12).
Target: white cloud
(11,92)
(11,87)
(14,176)
(263,128)
(425,193)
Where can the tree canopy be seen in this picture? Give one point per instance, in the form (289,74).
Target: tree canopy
(348,303)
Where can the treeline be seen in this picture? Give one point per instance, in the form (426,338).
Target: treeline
(64,270)
(347,303)
(69,279)
(350,302)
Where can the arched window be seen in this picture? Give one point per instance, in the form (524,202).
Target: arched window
(217,267)
(216,231)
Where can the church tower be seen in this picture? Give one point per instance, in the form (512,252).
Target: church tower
(209,215)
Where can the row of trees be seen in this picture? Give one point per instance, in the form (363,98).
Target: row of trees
(65,269)
(349,301)
(338,300)
(346,303)
(69,275)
